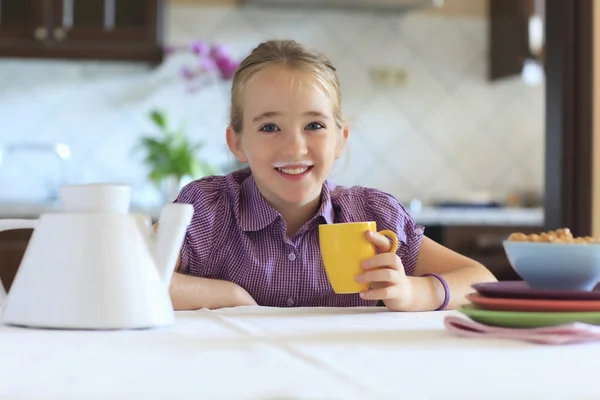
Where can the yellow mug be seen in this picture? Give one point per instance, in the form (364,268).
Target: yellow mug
(344,247)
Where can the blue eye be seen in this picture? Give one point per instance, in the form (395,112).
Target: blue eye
(314,126)
(269,128)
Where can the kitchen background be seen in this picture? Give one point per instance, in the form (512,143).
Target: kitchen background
(436,130)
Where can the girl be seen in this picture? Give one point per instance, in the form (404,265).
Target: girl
(253,239)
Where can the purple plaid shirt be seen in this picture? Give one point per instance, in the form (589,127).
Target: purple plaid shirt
(235,235)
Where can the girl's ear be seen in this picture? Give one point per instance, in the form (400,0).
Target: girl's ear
(234,142)
(341,145)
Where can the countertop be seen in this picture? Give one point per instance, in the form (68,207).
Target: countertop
(504,216)
(425,216)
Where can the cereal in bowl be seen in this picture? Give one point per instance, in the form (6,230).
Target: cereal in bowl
(563,235)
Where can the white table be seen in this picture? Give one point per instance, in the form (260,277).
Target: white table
(267,353)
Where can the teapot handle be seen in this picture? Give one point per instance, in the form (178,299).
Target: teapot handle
(9,224)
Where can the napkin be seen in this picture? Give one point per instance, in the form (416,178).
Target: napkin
(576,332)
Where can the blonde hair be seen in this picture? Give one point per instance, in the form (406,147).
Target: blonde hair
(293,55)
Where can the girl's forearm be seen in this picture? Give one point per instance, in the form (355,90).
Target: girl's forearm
(192,293)
(428,292)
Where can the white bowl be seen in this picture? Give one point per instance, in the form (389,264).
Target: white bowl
(555,266)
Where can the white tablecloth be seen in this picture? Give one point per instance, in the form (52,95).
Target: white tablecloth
(302,353)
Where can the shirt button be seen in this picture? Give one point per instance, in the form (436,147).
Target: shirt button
(291,256)
(290,301)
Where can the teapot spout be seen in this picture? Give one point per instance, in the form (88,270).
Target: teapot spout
(172,226)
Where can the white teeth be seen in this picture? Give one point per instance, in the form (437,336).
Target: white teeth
(293,171)
(291,164)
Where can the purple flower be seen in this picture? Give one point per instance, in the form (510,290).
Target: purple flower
(187,73)
(199,47)
(207,65)
(210,58)
(227,67)
(218,51)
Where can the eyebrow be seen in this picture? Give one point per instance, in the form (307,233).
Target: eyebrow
(270,114)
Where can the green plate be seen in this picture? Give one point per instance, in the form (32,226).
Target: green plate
(527,319)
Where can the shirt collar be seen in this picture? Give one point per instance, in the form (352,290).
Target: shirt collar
(326,209)
(256,214)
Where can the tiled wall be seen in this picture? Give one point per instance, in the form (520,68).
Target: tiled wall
(445,132)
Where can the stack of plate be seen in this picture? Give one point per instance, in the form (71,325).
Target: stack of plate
(515,304)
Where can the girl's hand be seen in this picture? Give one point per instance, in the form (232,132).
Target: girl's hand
(386,276)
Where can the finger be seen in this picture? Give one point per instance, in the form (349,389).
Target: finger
(385,293)
(379,275)
(381,242)
(389,260)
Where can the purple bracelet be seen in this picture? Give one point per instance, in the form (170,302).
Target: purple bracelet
(446,290)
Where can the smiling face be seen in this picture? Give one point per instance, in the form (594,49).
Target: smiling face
(289,138)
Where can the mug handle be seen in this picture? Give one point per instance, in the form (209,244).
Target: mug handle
(394,237)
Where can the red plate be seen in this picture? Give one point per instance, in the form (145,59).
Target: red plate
(508,304)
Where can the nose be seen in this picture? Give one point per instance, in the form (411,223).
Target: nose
(295,144)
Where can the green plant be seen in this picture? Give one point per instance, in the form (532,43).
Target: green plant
(172,154)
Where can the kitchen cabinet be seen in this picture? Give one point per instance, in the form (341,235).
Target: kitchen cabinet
(129,30)
(509,36)
(206,2)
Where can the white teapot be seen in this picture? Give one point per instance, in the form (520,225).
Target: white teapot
(94,265)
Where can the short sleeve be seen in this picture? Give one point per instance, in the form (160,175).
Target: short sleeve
(206,195)
(390,214)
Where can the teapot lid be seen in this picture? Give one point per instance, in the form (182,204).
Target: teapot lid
(96,198)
